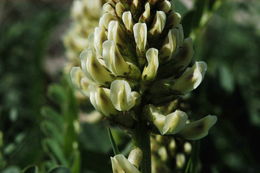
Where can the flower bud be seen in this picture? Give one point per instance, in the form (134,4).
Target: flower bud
(174,122)
(140,35)
(115,62)
(180,160)
(99,37)
(77,9)
(135,157)
(121,96)
(158,23)
(162,152)
(187,147)
(76,76)
(174,20)
(119,9)
(150,71)
(108,8)
(105,19)
(128,20)
(191,78)
(115,33)
(198,129)
(99,98)
(165,6)
(156,117)
(79,81)
(169,46)
(93,69)
(145,17)
(121,165)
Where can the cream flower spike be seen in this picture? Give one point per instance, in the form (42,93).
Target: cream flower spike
(158,23)
(140,35)
(198,129)
(121,95)
(150,71)
(99,98)
(191,78)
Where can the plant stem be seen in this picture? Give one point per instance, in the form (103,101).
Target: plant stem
(141,139)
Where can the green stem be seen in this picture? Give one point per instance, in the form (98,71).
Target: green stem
(141,139)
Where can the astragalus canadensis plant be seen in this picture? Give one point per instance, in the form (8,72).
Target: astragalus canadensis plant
(137,62)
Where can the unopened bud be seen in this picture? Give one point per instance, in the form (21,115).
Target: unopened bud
(191,78)
(99,98)
(121,165)
(150,71)
(180,160)
(158,23)
(128,20)
(140,35)
(174,122)
(121,95)
(135,157)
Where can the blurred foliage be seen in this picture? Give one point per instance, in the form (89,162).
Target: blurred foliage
(227,37)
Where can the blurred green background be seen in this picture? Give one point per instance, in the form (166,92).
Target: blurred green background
(39,126)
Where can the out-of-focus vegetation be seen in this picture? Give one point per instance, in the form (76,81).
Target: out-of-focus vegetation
(40,126)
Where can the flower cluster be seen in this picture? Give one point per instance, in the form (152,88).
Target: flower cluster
(169,153)
(85,15)
(138,59)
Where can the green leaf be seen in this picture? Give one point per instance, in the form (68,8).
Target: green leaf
(52,115)
(94,138)
(113,143)
(53,147)
(60,170)
(226,78)
(57,94)
(53,131)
